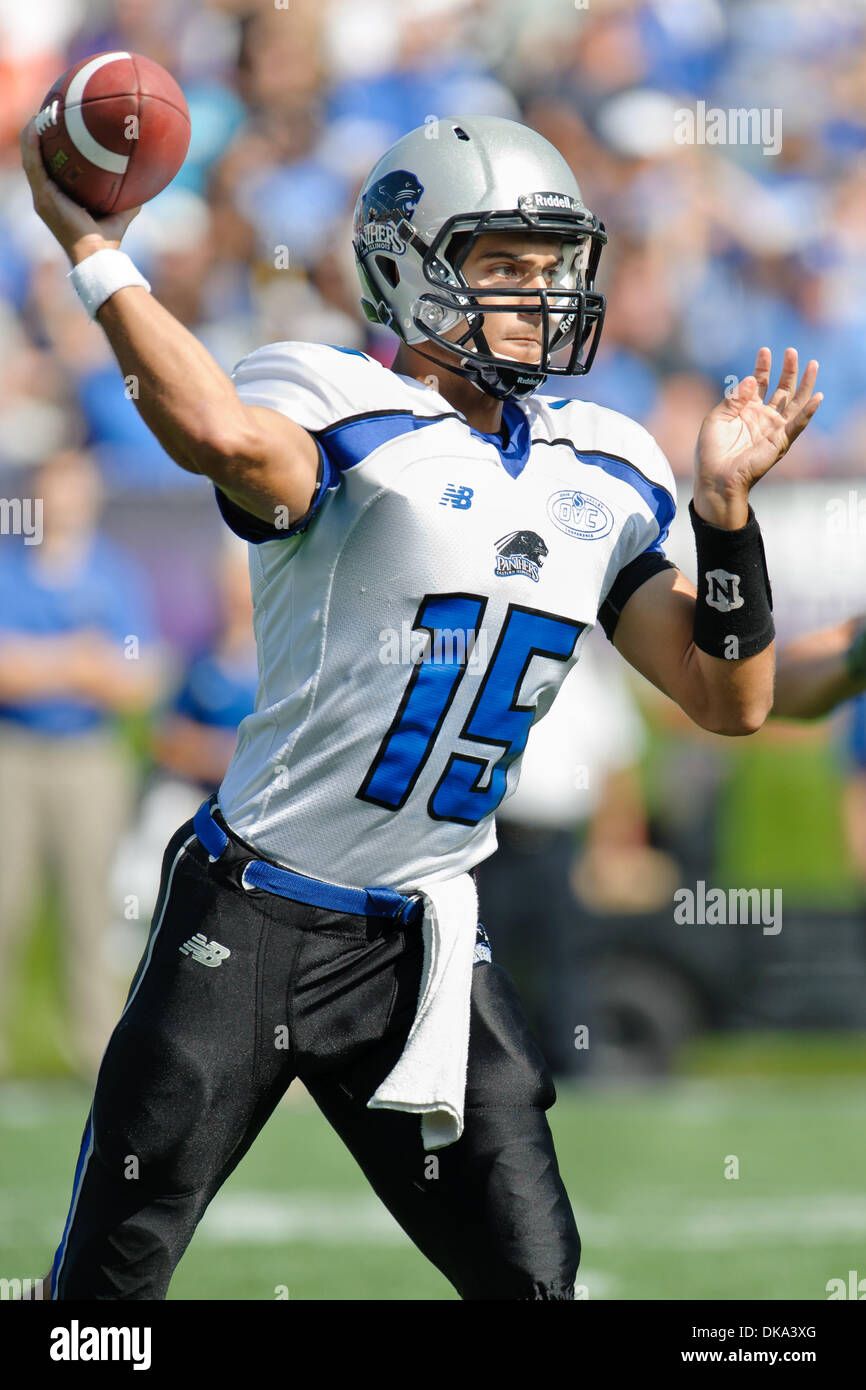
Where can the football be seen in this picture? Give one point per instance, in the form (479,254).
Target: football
(114,130)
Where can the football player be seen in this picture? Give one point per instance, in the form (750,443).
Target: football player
(429,546)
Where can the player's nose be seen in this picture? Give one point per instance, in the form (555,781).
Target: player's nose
(529,299)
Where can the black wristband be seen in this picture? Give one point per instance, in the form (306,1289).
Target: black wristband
(734,607)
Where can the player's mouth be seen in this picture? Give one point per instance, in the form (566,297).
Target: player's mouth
(525,347)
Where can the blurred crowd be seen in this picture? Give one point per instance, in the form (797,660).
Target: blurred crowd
(714,250)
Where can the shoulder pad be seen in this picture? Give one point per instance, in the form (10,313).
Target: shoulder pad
(315,383)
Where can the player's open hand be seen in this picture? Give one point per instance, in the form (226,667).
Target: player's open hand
(746,434)
(79,233)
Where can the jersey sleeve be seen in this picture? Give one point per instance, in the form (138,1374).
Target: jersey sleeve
(254,529)
(316,386)
(641,554)
(630,578)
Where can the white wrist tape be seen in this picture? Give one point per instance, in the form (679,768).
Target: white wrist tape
(99,276)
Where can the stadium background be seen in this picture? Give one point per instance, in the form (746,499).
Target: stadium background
(727,1041)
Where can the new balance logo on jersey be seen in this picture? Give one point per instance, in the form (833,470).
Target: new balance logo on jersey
(723,590)
(520,552)
(458,495)
(204,951)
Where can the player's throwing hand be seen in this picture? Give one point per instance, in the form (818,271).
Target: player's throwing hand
(77,231)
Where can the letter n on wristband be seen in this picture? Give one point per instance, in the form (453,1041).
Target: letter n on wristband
(734,608)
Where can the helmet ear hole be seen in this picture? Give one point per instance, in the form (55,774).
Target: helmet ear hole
(389,270)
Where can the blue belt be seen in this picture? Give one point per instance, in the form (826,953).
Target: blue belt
(258,873)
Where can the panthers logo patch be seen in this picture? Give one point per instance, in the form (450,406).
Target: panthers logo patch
(388,203)
(520,552)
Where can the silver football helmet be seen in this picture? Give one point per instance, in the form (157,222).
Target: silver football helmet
(422,208)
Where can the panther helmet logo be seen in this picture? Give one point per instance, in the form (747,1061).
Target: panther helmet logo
(389,202)
(520,552)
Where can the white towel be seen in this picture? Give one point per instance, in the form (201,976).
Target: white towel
(430,1077)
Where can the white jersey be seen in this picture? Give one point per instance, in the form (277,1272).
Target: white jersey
(593,730)
(416,623)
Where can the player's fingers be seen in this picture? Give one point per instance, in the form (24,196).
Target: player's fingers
(763,366)
(798,423)
(787,377)
(747,389)
(807,384)
(780,403)
(31,156)
(42,187)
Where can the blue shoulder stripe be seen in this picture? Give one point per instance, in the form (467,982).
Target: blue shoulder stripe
(657,498)
(350,441)
(350,352)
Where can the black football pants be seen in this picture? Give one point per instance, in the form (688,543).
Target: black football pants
(203,1052)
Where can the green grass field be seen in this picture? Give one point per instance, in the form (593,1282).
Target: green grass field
(645,1170)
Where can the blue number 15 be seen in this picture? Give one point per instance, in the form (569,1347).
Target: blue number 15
(494,719)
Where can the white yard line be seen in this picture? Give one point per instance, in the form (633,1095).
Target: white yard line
(258,1218)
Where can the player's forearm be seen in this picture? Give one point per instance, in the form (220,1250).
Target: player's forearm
(182,394)
(180,391)
(656,635)
(261,459)
(814,673)
(730,654)
(733,698)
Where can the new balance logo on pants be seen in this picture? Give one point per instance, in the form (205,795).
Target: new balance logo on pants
(205,952)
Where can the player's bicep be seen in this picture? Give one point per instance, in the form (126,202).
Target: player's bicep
(272,472)
(654,629)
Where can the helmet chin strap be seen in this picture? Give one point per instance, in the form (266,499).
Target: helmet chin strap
(503,383)
(500,382)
